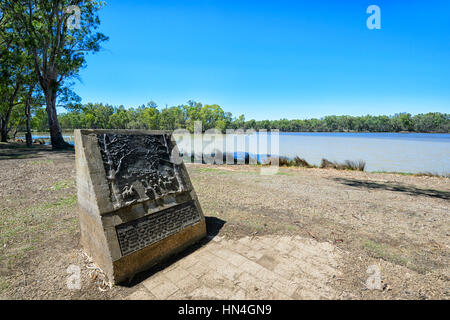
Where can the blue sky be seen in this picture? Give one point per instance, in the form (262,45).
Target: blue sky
(274,59)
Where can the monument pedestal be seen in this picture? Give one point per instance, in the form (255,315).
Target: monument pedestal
(136,203)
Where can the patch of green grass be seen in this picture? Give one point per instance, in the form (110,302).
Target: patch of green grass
(291,228)
(246,172)
(218,171)
(280,173)
(423,174)
(37,162)
(374,247)
(63,202)
(63,184)
(4,284)
(18,156)
(23,229)
(73,227)
(382,251)
(17,254)
(394,172)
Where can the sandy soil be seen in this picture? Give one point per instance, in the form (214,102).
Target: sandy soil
(399,223)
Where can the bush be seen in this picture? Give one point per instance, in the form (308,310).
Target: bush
(359,165)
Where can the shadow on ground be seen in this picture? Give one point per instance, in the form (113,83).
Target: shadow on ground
(413,191)
(213,226)
(12,151)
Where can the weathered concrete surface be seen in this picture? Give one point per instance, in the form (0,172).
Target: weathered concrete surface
(136,204)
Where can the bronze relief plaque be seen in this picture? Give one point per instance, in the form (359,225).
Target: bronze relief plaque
(139,167)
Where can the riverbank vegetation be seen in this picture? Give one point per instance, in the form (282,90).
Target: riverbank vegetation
(325,164)
(150,116)
(296,161)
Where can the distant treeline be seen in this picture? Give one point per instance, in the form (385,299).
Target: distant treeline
(150,116)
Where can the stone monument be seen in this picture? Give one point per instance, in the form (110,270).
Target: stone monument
(136,203)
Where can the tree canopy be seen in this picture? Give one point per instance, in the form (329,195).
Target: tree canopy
(44,32)
(151,117)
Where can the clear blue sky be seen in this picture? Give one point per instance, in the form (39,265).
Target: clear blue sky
(274,59)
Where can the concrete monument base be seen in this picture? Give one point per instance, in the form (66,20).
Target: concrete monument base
(136,203)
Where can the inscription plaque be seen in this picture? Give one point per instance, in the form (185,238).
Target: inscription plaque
(139,233)
(136,203)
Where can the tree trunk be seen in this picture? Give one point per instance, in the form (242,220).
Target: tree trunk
(15,133)
(3,131)
(4,126)
(28,136)
(4,121)
(56,137)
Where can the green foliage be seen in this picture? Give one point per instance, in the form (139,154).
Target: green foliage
(39,122)
(100,116)
(54,52)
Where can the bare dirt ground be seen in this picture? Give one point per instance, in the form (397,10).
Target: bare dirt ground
(346,220)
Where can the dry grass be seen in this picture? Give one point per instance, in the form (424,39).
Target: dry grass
(291,162)
(359,165)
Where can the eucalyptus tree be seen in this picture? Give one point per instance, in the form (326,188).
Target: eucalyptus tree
(12,72)
(18,89)
(57,45)
(33,100)
(18,82)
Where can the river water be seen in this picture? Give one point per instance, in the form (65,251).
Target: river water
(399,152)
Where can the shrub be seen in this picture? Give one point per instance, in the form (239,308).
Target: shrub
(359,165)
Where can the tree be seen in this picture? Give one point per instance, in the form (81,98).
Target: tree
(39,122)
(32,99)
(120,118)
(402,122)
(212,116)
(12,73)
(58,51)
(150,116)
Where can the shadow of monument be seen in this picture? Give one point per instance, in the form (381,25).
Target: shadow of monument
(213,226)
(410,190)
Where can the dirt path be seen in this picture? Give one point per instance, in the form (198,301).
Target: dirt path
(345,221)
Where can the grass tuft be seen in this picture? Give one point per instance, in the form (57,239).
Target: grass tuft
(359,165)
(295,162)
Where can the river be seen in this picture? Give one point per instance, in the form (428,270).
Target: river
(394,152)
